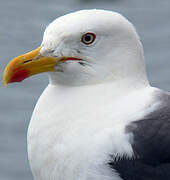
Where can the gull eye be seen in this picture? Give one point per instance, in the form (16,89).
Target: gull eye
(88,38)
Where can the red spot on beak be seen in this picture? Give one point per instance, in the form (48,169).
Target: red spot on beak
(19,75)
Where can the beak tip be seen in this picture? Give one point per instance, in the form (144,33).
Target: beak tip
(6,79)
(4,83)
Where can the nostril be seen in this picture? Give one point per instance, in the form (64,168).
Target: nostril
(27,61)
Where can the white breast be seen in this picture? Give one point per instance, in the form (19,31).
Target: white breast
(73,132)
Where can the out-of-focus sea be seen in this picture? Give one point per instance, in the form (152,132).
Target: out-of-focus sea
(22,23)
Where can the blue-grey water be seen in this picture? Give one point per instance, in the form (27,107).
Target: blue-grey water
(22,23)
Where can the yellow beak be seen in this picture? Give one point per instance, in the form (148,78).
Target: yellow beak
(30,64)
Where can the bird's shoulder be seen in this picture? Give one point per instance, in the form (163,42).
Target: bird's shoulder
(151,145)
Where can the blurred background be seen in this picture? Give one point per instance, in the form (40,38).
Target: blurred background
(22,24)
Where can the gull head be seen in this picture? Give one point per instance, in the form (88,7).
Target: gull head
(82,48)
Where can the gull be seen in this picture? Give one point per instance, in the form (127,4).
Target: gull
(99,118)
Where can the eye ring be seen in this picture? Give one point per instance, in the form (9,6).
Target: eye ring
(88,38)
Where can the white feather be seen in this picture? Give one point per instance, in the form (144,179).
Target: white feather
(80,119)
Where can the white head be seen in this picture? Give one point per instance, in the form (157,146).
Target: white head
(116,54)
(106,43)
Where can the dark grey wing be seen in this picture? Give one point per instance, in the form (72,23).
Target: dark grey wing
(151,146)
